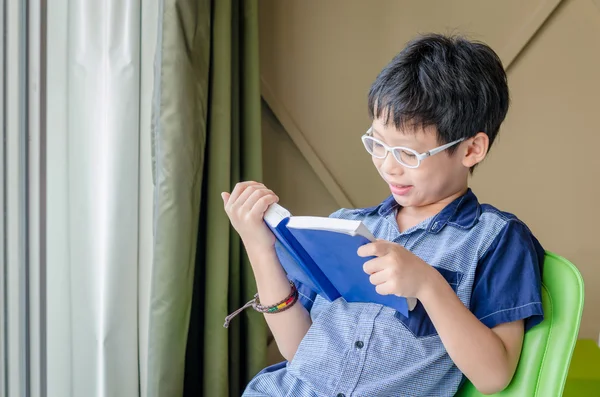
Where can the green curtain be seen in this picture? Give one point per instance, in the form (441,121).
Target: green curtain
(206,138)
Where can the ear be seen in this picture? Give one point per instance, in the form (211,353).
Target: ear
(476,150)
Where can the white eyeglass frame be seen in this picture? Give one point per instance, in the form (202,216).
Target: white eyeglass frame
(420,156)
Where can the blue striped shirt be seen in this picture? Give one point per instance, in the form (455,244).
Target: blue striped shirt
(490,259)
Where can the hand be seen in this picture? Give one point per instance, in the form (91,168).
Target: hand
(245,207)
(395,270)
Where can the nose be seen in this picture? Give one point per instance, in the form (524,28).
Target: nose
(390,166)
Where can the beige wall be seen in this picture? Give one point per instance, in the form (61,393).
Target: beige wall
(287,173)
(319,58)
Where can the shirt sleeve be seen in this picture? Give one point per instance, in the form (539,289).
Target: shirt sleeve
(507,285)
(306,295)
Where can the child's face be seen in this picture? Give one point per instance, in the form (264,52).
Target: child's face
(437,178)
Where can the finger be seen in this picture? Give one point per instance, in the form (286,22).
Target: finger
(253,199)
(243,197)
(263,204)
(366,250)
(379,277)
(377,248)
(374,265)
(384,289)
(225,196)
(238,190)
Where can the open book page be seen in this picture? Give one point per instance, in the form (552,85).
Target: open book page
(275,214)
(345,226)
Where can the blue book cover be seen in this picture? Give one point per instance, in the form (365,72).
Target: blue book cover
(320,252)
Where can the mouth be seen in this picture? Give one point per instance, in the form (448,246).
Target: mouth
(400,190)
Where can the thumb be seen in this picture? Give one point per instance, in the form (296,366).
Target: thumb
(225,196)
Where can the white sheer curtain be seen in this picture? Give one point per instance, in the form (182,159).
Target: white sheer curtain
(99,195)
(76,196)
(15,336)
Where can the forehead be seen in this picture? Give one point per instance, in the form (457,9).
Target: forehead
(407,134)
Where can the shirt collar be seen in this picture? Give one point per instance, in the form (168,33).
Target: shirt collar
(463,212)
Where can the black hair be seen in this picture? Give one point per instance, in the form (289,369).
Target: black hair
(458,86)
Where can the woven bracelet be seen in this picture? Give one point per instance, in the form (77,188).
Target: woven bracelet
(279,307)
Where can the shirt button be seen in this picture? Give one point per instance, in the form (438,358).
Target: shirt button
(435,226)
(341,395)
(359,344)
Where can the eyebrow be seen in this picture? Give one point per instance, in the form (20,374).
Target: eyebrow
(375,132)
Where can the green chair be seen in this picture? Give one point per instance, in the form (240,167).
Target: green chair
(547,347)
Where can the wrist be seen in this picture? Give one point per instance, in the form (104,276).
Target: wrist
(259,255)
(257,247)
(431,286)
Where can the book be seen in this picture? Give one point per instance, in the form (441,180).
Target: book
(321,253)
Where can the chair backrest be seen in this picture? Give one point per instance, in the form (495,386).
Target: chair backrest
(547,347)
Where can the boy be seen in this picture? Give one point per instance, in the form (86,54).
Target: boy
(475,271)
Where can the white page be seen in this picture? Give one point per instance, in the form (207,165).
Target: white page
(275,214)
(350,227)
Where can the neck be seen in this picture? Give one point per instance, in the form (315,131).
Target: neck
(410,216)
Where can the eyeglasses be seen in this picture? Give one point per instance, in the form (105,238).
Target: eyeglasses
(409,158)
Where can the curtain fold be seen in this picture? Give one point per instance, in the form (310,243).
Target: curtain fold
(103,148)
(233,154)
(178,142)
(98,220)
(92,224)
(206,138)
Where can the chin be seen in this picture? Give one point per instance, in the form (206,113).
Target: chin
(403,200)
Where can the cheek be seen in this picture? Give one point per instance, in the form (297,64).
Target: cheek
(378,163)
(428,177)
(436,177)
(424,181)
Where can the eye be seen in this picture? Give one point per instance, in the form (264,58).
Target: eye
(374,147)
(407,158)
